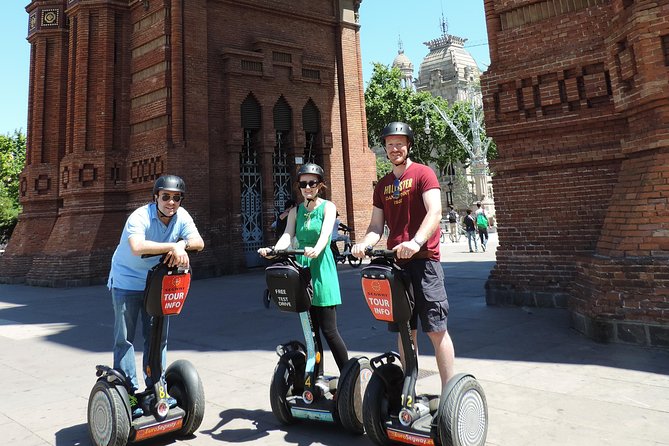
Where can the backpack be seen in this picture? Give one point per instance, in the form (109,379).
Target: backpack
(452,216)
(481,221)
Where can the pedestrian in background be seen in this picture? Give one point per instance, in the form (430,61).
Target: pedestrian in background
(482,224)
(470,229)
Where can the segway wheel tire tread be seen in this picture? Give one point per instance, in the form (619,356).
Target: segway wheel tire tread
(463,413)
(278,391)
(108,423)
(381,398)
(184,384)
(350,395)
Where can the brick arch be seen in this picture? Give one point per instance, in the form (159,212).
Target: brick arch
(283,115)
(311,125)
(251,113)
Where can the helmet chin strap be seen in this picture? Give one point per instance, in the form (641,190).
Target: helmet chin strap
(162,214)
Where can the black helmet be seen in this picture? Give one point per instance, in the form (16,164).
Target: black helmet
(311,168)
(397,128)
(171,183)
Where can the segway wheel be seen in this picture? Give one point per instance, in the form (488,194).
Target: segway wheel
(382,398)
(350,391)
(184,385)
(108,421)
(463,413)
(279,389)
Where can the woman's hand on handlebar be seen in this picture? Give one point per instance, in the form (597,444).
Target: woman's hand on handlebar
(311,252)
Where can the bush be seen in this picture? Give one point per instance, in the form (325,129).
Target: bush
(9,214)
(12,160)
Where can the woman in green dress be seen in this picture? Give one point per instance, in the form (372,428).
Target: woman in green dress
(311,224)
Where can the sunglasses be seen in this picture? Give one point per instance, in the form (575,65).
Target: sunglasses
(396,188)
(312,184)
(168,197)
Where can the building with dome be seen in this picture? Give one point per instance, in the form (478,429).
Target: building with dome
(404,64)
(448,69)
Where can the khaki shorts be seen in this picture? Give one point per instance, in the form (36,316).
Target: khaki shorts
(431,301)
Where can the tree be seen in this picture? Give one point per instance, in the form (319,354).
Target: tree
(12,160)
(383,167)
(387,101)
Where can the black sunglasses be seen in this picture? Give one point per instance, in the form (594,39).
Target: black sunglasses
(312,184)
(167,197)
(396,188)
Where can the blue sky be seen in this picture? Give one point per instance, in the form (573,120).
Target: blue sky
(383,23)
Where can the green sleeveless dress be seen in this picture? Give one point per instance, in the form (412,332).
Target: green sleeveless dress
(323,268)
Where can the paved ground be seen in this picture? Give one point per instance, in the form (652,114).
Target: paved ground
(545,384)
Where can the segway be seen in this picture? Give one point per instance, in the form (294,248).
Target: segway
(298,389)
(110,418)
(393,413)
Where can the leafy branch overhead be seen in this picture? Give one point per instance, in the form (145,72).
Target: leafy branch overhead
(386,100)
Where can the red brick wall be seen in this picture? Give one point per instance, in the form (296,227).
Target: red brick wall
(120,94)
(576,99)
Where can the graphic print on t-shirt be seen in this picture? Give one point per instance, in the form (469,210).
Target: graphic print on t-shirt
(397,190)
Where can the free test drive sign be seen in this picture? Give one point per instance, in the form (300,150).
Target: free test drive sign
(175,290)
(379,298)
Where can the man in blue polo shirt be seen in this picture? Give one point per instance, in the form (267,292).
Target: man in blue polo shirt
(160,227)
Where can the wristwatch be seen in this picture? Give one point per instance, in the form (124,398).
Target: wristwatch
(417,241)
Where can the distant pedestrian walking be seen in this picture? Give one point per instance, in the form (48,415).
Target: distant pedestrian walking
(470,228)
(482,224)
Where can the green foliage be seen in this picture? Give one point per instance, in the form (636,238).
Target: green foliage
(383,167)
(12,160)
(386,101)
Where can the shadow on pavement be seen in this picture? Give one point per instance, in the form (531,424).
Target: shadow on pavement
(73,435)
(227,314)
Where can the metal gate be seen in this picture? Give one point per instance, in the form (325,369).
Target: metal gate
(281,175)
(251,206)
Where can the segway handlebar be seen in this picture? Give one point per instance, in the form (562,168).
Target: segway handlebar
(163,254)
(284,252)
(385,253)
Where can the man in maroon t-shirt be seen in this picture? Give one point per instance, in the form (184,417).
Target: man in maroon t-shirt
(408,201)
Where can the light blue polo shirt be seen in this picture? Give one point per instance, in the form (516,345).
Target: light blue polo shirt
(128,271)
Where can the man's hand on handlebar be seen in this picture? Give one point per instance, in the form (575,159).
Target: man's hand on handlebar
(266,252)
(177,256)
(406,250)
(358,250)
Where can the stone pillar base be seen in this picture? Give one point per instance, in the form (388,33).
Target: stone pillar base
(625,332)
(499,294)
